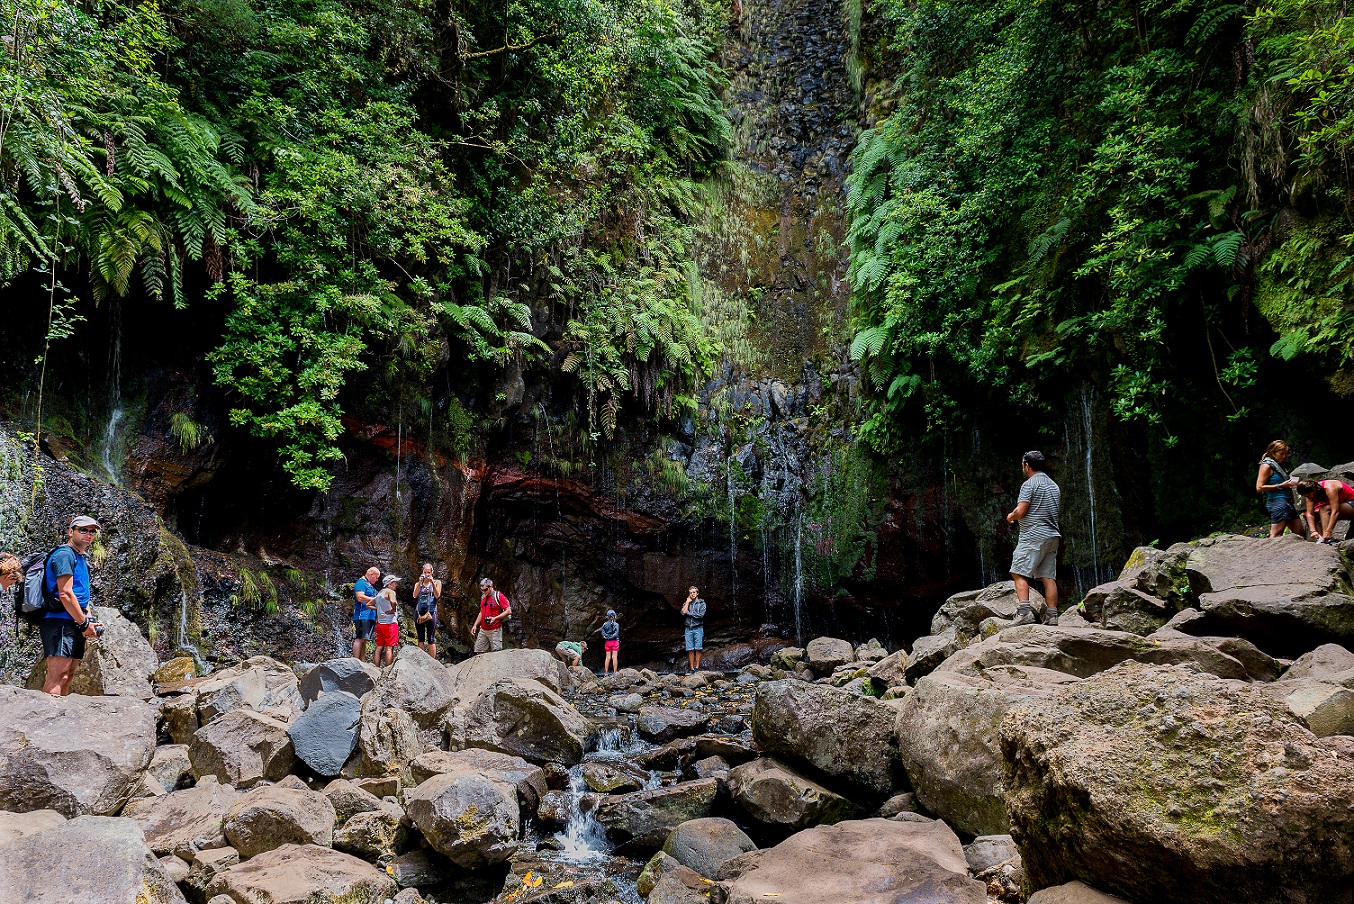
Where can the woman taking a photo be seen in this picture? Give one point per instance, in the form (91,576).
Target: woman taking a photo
(1275,485)
(1330,501)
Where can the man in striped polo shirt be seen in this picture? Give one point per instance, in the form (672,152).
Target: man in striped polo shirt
(1036,553)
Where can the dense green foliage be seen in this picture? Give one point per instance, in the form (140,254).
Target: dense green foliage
(1070,191)
(425,183)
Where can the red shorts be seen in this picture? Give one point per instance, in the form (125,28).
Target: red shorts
(387,635)
(612,646)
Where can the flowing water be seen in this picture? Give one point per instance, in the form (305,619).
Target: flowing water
(1087,409)
(108,443)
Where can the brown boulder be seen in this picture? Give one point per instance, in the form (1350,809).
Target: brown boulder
(303,874)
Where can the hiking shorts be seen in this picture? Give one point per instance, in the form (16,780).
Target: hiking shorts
(489,641)
(387,635)
(364,629)
(1281,509)
(1036,558)
(612,646)
(695,639)
(59,638)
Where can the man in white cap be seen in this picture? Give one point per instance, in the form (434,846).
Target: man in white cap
(65,629)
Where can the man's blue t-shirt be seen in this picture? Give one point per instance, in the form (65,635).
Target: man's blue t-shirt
(360,610)
(66,561)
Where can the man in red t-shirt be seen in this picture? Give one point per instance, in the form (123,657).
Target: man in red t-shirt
(494,611)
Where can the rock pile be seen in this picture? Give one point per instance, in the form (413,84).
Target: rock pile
(1149,747)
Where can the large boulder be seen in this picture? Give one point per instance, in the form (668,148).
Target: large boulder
(965,612)
(352,676)
(325,735)
(258,683)
(644,819)
(471,818)
(387,736)
(1073,893)
(373,835)
(349,800)
(17,825)
(840,734)
(930,651)
(891,671)
(119,663)
(948,738)
(242,748)
(419,685)
(521,717)
(478,673)
(1163,784)
(1326,661)
(868,861)
(182,821)
(824,654)
(661,724)
(1160,573)
(1087,651)
(781,799)
(76,755)
(527,778)
(303,874)
(88,859)
(272,815)
(1326,709)
(706,844)
(1285,594)
(170,766)
(1120,606)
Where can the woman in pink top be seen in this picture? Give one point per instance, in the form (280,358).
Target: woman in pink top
(1332,499)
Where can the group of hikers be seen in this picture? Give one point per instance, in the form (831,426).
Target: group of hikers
(376,617)
(65,623)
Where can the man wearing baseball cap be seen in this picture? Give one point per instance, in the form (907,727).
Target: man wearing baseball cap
(494,611)
(65,631)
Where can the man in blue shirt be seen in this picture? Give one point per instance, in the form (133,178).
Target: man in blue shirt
(364,611)
(65,631)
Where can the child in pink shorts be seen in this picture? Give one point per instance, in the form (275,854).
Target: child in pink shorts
(611,635)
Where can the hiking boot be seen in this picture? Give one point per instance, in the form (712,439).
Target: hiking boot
(1023,616)
(1048,615)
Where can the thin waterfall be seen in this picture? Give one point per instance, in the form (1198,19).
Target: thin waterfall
(108,443)
(799,576)
(733,540)
(1087,408)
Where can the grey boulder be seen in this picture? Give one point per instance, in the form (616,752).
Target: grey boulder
(843,735)
(183,821)
(705,845)
(781,799)
(521,717)
(349,675)
(242,748)
(325,735)
(271,816)
(644,819)
(1163,784)
(470,818)
(824,654)
(302,874)
(76,755)
(661,724)
(868,861)
(89,858)
(948,732)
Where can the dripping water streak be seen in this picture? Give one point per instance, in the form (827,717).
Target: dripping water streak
(1087,405)
(799,576)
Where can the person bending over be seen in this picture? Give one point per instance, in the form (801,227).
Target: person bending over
(1328,501)
(570,652)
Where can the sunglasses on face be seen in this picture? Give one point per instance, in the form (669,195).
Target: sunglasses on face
(86,530)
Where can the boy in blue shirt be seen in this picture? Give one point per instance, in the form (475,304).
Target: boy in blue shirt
(65,630)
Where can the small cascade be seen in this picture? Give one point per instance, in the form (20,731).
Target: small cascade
(182,638)
(583,838)
(766,574)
